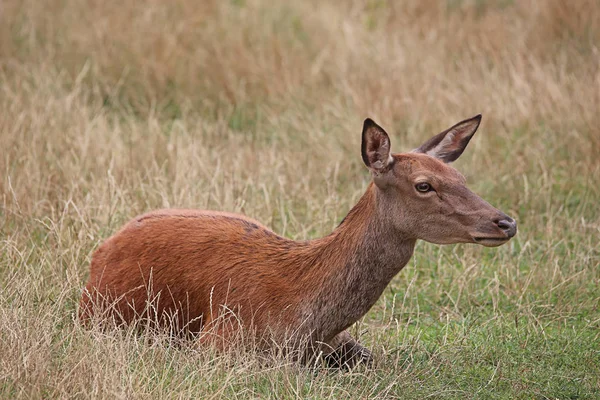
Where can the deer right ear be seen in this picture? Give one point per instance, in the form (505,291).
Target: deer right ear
(450,144)
(375,147)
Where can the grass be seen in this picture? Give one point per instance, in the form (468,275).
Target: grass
(108,110)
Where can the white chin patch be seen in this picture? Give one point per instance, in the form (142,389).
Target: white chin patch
(491,242)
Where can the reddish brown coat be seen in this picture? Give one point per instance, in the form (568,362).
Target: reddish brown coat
(194,265)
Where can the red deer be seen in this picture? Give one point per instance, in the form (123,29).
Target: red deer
(194,264)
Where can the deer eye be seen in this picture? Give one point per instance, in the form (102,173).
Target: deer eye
(423,187)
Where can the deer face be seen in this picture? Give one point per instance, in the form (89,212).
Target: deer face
(424,197)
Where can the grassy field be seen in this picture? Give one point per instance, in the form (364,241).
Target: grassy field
(109,109)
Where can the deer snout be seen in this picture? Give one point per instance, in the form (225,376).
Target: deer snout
(507,225)
(505,229)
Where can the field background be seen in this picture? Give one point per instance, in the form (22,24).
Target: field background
(109,109)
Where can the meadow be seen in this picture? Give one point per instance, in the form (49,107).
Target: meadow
(109,109)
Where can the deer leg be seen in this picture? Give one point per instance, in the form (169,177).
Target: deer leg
(218,333)
(346,352)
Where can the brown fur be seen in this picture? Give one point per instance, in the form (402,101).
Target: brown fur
(193,266)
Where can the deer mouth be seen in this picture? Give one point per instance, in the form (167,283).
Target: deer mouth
(491,241)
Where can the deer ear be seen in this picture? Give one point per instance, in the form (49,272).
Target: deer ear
(375,147)
(450,144)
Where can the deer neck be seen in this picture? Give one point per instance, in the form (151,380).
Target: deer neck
(352,266)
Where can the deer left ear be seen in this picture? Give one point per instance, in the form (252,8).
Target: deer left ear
(450,144)
(375,147)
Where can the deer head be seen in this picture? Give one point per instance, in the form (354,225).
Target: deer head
(423,197)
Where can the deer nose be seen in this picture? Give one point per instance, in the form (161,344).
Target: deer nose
(508,226)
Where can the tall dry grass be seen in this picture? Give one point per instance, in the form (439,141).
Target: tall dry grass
(109,109)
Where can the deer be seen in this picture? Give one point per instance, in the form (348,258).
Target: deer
(193,265)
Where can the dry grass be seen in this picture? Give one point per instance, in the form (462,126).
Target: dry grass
(109,109)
